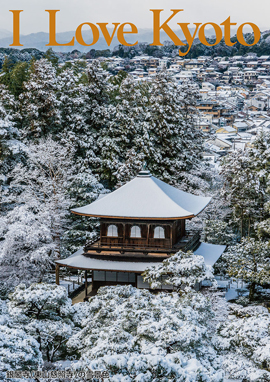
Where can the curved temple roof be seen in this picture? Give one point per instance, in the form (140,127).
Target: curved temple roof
(146,197)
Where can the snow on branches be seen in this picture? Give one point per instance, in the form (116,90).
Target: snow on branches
(250,261)
(245,341)
(137,335)
(182,270)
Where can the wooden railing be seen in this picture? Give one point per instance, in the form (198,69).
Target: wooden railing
(187,243)
(193,243)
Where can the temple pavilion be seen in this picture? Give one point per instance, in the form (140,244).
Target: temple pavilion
(141,223)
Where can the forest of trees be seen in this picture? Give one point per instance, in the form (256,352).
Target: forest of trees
(70,134)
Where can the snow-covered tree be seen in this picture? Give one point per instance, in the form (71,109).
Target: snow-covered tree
(175,143)
(96,114)
(153,122)
(43,183)
(8,131)
(123,142)
(246,184)
(241,190)
(39,104)
(218,232)
(27,247)
(83,189)
(182,270)
(18,351)
(244,339)
(250,261)
(44,311)
(137,335)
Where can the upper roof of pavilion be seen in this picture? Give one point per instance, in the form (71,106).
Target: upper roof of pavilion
(146,197)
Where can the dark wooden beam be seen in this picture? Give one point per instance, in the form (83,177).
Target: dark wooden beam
(57,274)
(85,284)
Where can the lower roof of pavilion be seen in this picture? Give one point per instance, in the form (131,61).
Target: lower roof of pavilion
(93,261)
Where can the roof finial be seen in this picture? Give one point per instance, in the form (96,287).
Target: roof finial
(144,172)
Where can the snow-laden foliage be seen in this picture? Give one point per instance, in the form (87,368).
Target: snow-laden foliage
(246,184)
(17,350)
(250,261)
(9,144)
(44,311)
(31,231)
(39,104)
(182,270)
(218,232)
(83,189)
(139,336)
(245,340)
(27,244)
(153,122)
(43,183)
(43,188)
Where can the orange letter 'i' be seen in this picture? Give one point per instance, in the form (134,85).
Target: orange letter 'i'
(16,28)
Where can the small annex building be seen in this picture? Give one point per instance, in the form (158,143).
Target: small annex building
(141,223)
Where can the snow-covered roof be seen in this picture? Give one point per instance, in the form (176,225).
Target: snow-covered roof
(210,252)
(78,260)
(146,197)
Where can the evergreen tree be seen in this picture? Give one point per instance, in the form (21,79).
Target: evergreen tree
(133,334)
(250,261)
(44,311)
(19,75)
(39,105)
(182,271)
(241,190)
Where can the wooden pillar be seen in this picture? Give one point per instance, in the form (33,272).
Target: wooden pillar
(57,274)
(148,231)
(124,234)
(85,284)
(171,233)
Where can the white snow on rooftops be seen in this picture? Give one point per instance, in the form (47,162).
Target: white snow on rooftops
(78,260)
(146,197)
(210,252)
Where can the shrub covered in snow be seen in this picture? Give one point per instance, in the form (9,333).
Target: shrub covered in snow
(250,261)
(17,350)
(180,270)
(245,340)
(45,312)
(139,336)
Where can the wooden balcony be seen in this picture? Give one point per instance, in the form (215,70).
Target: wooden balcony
(140,246)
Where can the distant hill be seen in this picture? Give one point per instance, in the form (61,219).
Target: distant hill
(40,39)
(35,45)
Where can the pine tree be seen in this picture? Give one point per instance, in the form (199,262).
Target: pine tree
(44,311)
(9,143)
(241,190)
(120,146)
(182,271)
(133,333)
(39,105)
(175,144)
(246,184)
(154,123)
(250,261)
